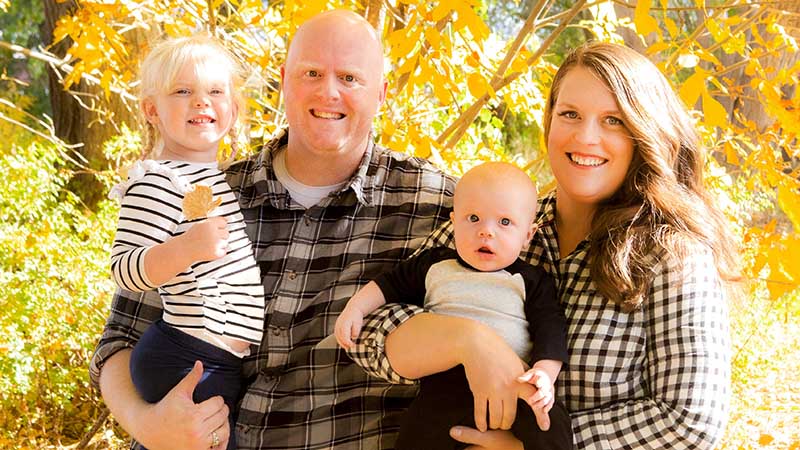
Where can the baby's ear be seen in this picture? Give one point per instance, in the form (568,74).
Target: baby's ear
(452,215)
(531,232)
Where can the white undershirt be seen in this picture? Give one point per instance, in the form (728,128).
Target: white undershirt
(303,194)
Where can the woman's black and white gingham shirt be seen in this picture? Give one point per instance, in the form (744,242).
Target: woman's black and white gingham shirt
(303,391)
(656,378)
(209,299)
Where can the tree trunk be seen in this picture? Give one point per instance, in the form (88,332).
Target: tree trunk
(749,104)
(75,123)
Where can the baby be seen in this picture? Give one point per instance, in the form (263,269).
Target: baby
(482,279)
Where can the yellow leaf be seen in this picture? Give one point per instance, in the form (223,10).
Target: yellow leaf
(432,36)
(520,64)
(477,85)
(778,283)
(716,32)
(403,41)
(442,93)
(731,157)
(409,65)
(388,127)
(713,111)
(641,17)
(692,88)
(789,202)
(441,10)
(792,265)
(706,56)
(765,439)
(672,28)
(657,47)
(105,82)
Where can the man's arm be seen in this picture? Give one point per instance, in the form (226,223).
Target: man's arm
(175,422)
(131,314)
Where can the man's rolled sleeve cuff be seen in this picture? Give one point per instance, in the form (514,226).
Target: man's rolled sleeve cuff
(102,353)
(369,350)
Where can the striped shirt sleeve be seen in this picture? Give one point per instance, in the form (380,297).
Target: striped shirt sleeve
(148,216)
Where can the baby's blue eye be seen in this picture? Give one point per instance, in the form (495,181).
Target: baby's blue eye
(473,218)
(505,221)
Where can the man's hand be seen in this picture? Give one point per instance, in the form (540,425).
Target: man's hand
(486,440)
(348,326)
(176,422)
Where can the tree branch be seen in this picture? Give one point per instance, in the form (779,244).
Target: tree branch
(62,65)
(463,122)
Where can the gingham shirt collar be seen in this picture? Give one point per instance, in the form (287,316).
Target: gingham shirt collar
(259,184)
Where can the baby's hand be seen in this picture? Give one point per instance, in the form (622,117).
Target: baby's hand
(542,401)
(348,325)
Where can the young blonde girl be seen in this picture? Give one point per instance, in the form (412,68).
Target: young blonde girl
(181,230)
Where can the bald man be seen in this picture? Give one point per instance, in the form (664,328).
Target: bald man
(327,210)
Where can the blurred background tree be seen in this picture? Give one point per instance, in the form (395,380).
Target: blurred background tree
(467,82)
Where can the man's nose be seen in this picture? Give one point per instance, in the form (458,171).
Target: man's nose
(329,88)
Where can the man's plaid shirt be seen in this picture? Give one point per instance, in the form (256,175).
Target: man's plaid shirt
(656,378)
(303,392)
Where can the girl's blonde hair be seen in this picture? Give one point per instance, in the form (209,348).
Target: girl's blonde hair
(662,203)
(161,66)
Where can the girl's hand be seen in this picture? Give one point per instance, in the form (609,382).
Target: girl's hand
(492,369)
(486,440)
(206,240)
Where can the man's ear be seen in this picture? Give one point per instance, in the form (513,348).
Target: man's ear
(384,86)
(150,111)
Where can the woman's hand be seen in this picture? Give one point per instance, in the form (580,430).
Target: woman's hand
(486,440)
(492,369)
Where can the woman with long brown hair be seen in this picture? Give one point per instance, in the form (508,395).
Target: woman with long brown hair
(641,256)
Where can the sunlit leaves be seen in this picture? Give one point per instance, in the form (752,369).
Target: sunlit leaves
(55,286)
(641,17)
